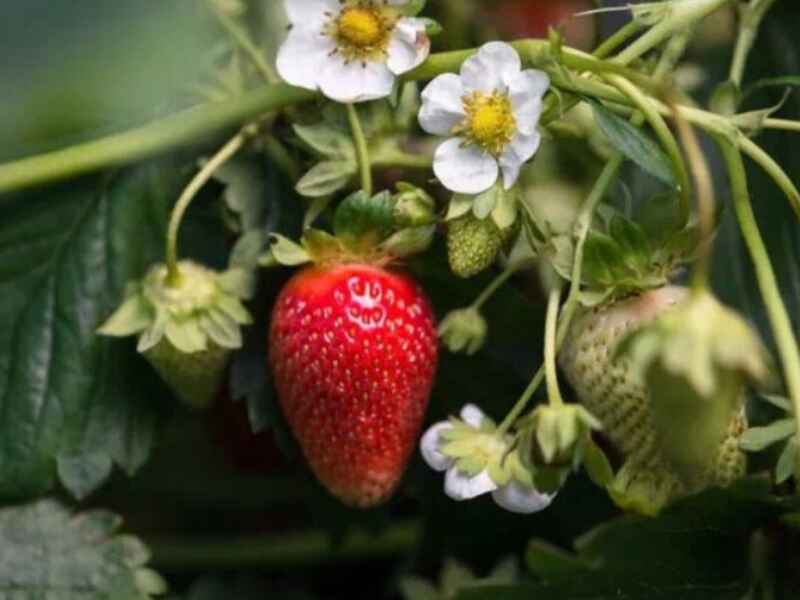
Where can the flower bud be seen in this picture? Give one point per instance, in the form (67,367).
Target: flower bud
(464,330)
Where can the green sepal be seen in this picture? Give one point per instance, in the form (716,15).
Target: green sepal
(432,26)
(191,323)
(596,463)
(757,439)
(321,246)
(326,178)
(407,242)
(134,316)
(361,220)
(284,251)
(459,206)
(412,8)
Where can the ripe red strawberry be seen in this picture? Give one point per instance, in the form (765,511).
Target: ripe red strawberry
(353,349)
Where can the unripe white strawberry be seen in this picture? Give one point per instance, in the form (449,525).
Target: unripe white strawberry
(615,394)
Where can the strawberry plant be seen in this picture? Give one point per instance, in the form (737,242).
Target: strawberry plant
(361,298)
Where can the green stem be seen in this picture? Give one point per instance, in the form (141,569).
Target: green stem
(155,138)
(782,124)
(195,185)
(493,287)
(772,168)
(279,155)
(619,37)
(581,231)
(277,552)
(680,16)
(767,281)
(550,349)
(750,18)
(704,184)
(362,151)
(247,45)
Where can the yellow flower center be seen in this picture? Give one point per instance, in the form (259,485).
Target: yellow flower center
(360,26)
(362,30)
(490,121)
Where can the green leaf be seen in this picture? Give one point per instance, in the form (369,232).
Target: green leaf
(245,192)
(416,588)
(326,140)
(778,402)
(788,81)
(785,467)
(634,143)
(326,178)
(756,439)
(67,254)
(60,556)
(82,474)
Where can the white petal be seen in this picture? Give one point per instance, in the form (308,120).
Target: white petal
(525,91)
(311,14)
(516,154)
(489,68)
(429,447)
(409,46)
(472,415)
(442,107)
(354,81)
(521,499)
(459,486)
(300,56)
(465,170)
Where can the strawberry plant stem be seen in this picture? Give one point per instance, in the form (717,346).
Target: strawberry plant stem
(780,321)
(195,185)
(619,37)
(704,185)
(750,17)
(362,151)
(242,38)
(550,350)
(493,287)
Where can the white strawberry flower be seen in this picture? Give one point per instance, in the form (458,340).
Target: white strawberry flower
(477,461)
(491,110)
(350,50)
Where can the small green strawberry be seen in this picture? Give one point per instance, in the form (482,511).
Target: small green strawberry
(617,395)
(187,328)
(473,244)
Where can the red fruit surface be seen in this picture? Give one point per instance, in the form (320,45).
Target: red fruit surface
(353,350)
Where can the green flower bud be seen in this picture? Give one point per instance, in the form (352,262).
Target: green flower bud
(464,330)
(413,207)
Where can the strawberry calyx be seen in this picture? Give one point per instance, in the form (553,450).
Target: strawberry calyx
(204,308)
(366,229)
(186,326)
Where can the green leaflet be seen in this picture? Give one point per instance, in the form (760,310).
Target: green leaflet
(636,145)
(57,555)
(65,392)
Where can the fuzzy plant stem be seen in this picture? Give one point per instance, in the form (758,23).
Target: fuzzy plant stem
(780,321)
(704,184)
(550,348)
(195,185)
(750,17)
(362,151)
(495,285)
(242,38)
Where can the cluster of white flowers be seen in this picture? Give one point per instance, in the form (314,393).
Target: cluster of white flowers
(353,51)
